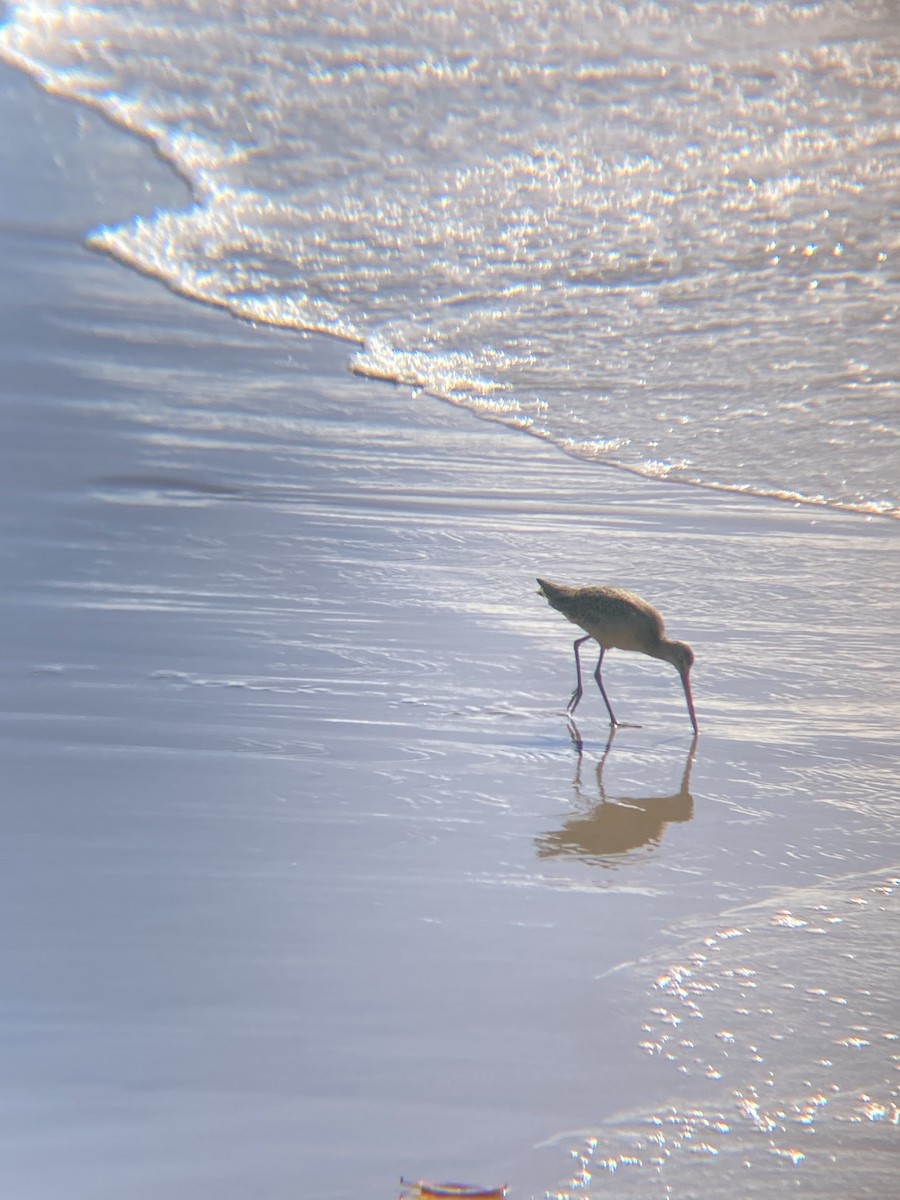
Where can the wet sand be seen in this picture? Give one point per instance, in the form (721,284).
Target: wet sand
(304,885)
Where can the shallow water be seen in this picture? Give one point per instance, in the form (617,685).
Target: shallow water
(782,1025)
(654,235)
(304,883)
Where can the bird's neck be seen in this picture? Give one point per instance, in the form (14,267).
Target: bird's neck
(669,651)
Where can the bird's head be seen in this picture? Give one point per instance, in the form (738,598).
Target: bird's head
(681,656)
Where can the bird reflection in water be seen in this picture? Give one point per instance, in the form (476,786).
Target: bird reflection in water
(616,826)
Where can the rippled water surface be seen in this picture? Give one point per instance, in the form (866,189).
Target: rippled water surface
(780,1033)
(658,235)
(304,882)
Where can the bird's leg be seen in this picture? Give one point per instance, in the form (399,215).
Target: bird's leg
(599,678)
(577,694)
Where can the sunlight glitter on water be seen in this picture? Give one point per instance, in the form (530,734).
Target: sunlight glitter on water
(565,240)
(764,1073)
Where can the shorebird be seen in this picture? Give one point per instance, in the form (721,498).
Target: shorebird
(619,620)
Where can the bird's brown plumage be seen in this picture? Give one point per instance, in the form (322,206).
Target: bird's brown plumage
(619,620)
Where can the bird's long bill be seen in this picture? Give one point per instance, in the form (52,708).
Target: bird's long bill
(686,681)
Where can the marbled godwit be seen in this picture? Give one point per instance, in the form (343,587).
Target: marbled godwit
(621,620)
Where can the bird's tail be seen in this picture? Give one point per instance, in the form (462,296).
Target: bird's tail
(550,591)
